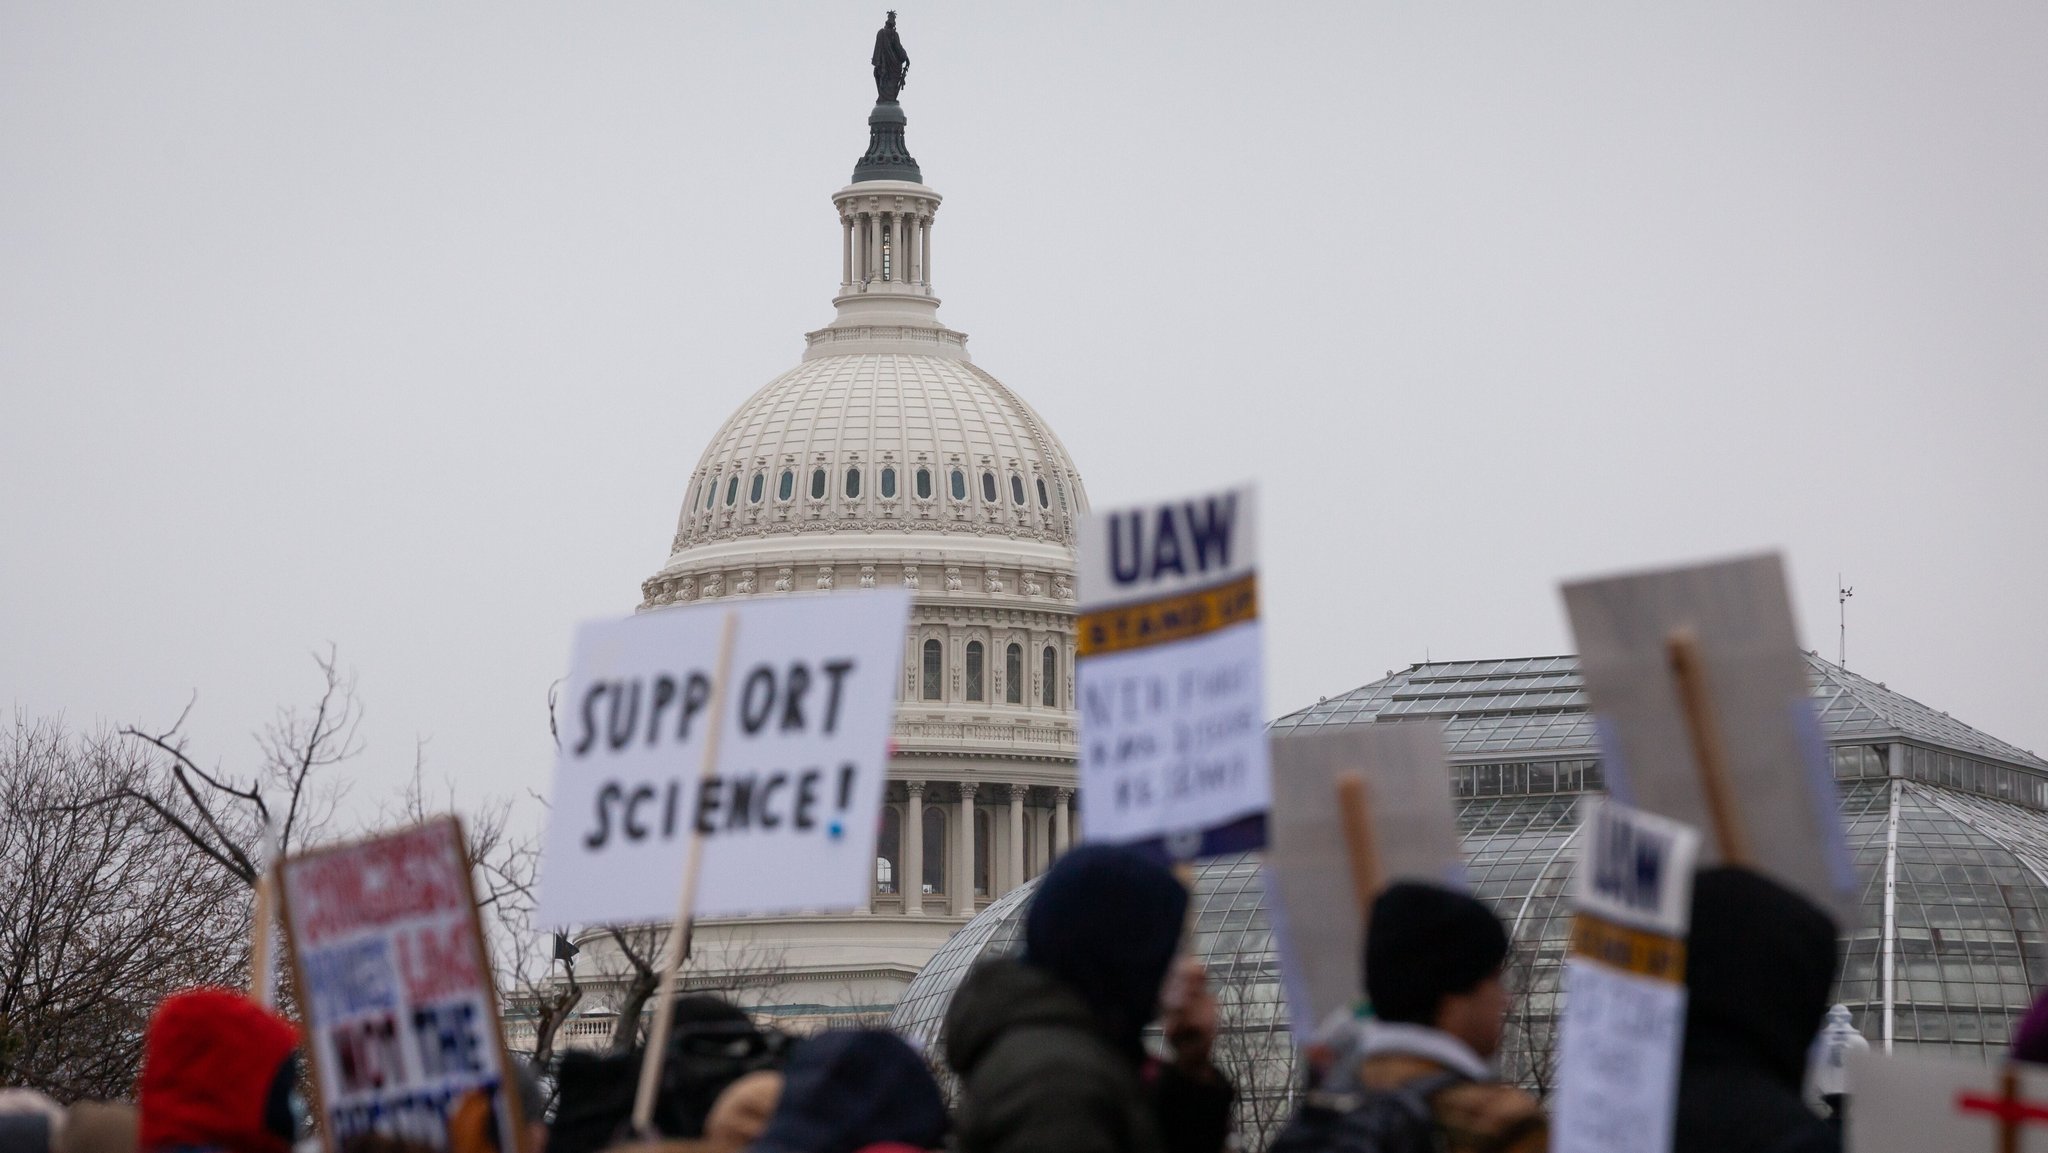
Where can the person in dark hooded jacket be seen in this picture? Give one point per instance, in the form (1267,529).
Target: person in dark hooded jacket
(219,1072)
(853,1089)
(1759,964)
(1050,1046)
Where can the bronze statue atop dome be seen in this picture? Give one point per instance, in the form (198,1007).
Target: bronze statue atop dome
(892,63)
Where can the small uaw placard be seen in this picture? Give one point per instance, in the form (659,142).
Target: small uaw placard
(400,1007)
(1169,678)
(1624,982)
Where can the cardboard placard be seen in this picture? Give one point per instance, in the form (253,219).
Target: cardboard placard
(1311,903)
(1913,1103)
(401,1011)
(1775,773)
(1170,678)
(1624,982)
(788,809)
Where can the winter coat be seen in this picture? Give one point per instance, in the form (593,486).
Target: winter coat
(1471,1116)
(849,1089)
(1039,1074)
(1760,962)
(216,1074)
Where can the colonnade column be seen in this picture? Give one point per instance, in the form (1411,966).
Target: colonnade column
(912,884)
(927,248)
(1017,795)
(1059,820)
(917,234)
(874,246)
(963,887)
(846,251)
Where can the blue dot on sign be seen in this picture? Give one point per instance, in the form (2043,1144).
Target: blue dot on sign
(836,830)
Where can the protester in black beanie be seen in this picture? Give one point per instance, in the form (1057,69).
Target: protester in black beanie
(1049,1046)
(712,1043)
(848,1089)
(1428,943)
(1759,964)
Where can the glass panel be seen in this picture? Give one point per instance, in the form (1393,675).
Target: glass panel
(1044,501)
(852,482)
(888,846)
(924,484)
(1049,688)
(817,484)
(988,486)
(959,480)
(711,492)
(732,490)
(973,670)
(888,483)
(1013,674)
(1016,489)
(786,487)
(934,669)
(756,487)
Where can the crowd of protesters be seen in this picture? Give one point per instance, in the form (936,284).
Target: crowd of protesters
(1049,1050)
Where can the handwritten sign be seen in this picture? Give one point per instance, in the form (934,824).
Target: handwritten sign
(1775,762)
(1912,1102)
(1624,982)
(788,812)
(400,1008)
(1315,914)
(1171,688)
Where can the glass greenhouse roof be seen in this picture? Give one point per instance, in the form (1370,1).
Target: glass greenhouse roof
(1535,705)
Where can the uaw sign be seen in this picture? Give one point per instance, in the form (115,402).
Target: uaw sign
(1170,683)
(760,729)
(1624,982)
(400,1009)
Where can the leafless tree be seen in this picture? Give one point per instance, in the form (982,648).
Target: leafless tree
(104,910)
(1529,1031)
(741,971)
(1254,1048)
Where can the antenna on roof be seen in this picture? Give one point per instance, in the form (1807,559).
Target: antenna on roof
(1842,594)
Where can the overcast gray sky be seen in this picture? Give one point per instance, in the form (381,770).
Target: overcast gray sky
(401,326)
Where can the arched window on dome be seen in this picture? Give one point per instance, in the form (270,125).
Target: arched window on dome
(710,490)
(852,482)
(732,490)
(888,850)
(817,484)
(1044,499)
(1016,490)
(988,486)
(785,487)
(959,485)
(934,883)
(888,483)
(1049,679)
(974,655)
(756,488)
(933,680)
(924,484)
(1013,674)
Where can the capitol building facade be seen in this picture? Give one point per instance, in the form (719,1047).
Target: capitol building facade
(887,458)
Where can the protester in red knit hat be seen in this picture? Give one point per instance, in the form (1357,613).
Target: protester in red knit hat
(218,1073)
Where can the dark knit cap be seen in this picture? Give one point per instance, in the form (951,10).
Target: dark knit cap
(1106,921)
(850,1089)
(1426,943)
(1759,964)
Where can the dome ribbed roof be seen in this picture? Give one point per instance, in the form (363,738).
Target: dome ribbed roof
(873,442)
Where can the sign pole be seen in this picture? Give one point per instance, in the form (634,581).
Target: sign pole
(1354,809)
(1689,670)
(678,934)
(262,963)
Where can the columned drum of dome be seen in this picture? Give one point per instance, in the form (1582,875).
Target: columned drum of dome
(845,473)
(1951,821)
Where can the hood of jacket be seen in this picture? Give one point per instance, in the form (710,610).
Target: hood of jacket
(849,1089)
(1106,920)
(1759,964)
(212,1060)
(1002,995)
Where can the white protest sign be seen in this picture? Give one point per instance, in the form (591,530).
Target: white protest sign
(400,1010)
(1315,913)
(1171,688)
(787,811)
(1774,769)
(1624,982)
(1914,1103)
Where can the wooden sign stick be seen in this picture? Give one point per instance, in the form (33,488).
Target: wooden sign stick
(1690,671)
(1354,809)
(679,933)
(259,942)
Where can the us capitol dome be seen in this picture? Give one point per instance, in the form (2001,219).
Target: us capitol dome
(888,458)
